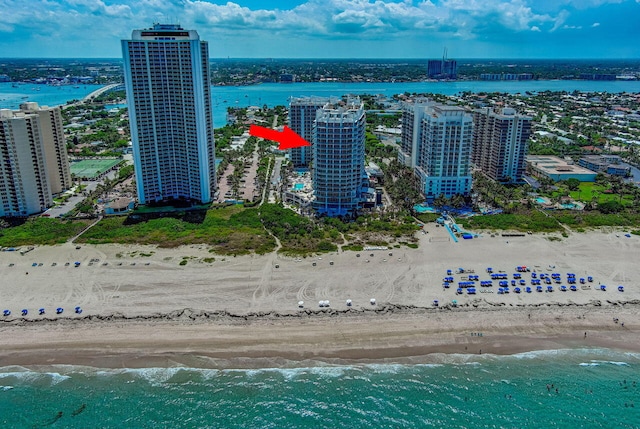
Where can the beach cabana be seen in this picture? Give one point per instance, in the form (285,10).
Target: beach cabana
(573,288)
(78,310)
(620,288)
(539,288)
(41,311)
(6,313)
(517,290)
(59,310)
(527,289)
(563,288)
(549,288)
(603,288)
(25,311)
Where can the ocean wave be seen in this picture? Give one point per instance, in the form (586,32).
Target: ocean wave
(27,376)
(616,363)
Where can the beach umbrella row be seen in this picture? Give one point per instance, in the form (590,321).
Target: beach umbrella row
(41,311)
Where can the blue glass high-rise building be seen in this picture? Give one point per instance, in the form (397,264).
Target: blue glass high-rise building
(338,158)
(169,99)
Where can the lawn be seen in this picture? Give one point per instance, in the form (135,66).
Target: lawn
(586,193)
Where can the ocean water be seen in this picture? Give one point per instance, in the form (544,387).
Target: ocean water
(597,388)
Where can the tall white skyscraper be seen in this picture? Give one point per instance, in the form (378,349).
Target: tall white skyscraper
(168,88)
(24,187)
(500,143)
(444,155)
(338,158)
(436,143)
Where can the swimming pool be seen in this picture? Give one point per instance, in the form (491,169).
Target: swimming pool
(420,208)
(298,186)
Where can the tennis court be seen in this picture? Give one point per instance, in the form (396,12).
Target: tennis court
(93,168)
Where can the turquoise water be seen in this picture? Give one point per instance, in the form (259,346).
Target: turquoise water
(273,94)
(298,186)
(424,209)
(45,95)
(596,389)
(541,200)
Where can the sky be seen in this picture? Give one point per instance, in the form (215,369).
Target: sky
(331,28)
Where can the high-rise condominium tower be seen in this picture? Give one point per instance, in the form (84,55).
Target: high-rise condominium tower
(436,142)
(54,143)
(302,115)
(24,188)
(169,98)
(500,141)
(338,158)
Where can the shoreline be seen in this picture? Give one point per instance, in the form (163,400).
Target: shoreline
(272,342)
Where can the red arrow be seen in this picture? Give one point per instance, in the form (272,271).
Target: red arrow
(288,138)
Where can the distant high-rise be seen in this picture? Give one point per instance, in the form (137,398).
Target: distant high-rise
(54,143)
(302,114)
(500,141)
(436,143)
(168,88)
(442,69)
(338,158)
(24,188)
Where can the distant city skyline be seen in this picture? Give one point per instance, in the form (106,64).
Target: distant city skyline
(332,28)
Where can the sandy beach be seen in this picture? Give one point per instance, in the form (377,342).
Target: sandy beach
(140,307)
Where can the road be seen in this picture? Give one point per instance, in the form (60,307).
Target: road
(77,199)
(274,183)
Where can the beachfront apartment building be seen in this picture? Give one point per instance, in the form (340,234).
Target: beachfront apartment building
(444,155)
(412,115)
(55,145)
(338,171)
(500,143)
(167,81)
(436,144)
(24,186)
(302,115)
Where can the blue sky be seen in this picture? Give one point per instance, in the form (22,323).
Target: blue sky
(332,28)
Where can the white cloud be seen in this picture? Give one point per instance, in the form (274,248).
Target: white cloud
(71,21)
